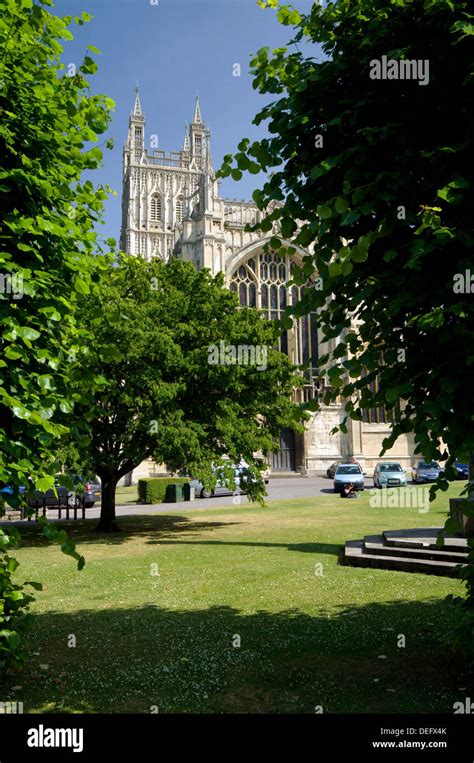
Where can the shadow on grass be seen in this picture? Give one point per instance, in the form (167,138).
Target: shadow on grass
(160,529)
(219,660)
(156,526)
(308,548)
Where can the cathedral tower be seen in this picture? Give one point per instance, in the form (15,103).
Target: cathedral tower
(161,188)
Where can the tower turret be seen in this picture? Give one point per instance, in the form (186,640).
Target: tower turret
(198,138)
(136,130)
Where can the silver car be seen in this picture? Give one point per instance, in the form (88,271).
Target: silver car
(427,472)
(346,473)
(222,487)
(389,475)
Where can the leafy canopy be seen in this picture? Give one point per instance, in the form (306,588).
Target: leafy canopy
(49,258)
(381,173)
(171,391)
(49,253)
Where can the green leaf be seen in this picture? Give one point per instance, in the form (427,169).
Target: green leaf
(349,218)
(358,253)
(25,332)
(341,205)
(324,211)
(81,286)
(16,596)
(51,312)
(12,354)
(45,483)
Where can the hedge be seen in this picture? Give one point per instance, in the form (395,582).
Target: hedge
(153,489)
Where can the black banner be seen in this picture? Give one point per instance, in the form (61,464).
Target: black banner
(110,737)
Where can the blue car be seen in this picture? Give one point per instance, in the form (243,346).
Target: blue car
(462,471)
(5,492)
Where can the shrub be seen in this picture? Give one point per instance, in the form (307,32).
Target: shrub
(153,489)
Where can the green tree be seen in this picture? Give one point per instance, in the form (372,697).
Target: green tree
(171,390)
(49,254)
(380,169)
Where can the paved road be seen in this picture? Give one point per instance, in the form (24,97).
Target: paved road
(279,488)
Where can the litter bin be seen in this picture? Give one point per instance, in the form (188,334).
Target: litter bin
(174,493)
(189,491)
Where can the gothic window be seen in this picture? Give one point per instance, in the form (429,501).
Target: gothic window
(198,145)
(261,282)
(179,210)
(155,208)
(380,414)
(138,137)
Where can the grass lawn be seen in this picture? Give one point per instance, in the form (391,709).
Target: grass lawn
(126,495)
(239,573)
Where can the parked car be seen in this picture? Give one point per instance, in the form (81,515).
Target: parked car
(331,470)
(87,490)
(427,472)
(389,475)
(221,488)
(462,470)
(48,498)
(346,473)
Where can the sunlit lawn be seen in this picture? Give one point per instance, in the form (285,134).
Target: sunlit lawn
(126,495)
(239,574)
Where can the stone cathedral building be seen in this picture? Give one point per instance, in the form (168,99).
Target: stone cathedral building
(171,207)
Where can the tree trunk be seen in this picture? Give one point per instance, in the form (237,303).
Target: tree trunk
(107,521)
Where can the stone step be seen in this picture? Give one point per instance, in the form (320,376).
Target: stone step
(355,555)
(374,544)
(424,537)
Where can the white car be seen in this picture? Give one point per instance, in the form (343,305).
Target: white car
(347,473)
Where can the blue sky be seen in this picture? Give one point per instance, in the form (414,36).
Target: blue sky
(174,50)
